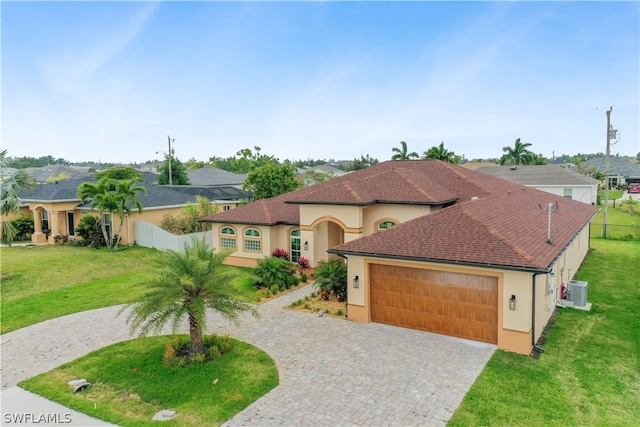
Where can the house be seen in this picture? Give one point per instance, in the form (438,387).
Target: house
(621,170)
(428,245)
(550,178)
(57,209)
(213,177)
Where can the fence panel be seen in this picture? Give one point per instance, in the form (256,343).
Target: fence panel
(152,236)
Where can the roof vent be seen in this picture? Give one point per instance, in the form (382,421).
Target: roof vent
(513,167)
(474,198)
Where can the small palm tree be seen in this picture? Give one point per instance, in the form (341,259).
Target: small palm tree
(519,154)
(186,284)
(402,153)
(331,278)
(631,204)
(11,185)
(441,153)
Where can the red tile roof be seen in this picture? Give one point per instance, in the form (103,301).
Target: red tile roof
(491,222)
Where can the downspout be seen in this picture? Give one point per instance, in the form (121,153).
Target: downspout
(533,315)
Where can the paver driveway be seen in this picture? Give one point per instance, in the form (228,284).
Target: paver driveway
(332,372)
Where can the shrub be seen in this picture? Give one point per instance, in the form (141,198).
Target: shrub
(280,253)
(276,271)
(189,219)
(169,357)
(24,227)
(90,230)
(331,278)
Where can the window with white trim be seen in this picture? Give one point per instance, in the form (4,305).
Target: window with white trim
(568,193)
(227,237)
(294,245)
(252,240)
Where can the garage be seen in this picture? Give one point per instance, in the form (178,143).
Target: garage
(450,303)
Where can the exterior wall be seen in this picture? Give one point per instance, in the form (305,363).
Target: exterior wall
(397,213)
(581,193)
(272,237)
(514,326)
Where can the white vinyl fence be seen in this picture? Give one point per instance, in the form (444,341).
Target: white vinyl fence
(152,236)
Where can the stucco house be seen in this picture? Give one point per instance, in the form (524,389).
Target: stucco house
(550,178)
(208,176)
(57,209)
(428,245)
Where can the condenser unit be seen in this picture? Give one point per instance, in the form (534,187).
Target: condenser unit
(578,292)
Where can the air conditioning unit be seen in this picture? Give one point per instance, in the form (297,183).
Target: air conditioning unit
(578,292)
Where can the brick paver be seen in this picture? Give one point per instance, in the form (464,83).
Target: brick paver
(332,372)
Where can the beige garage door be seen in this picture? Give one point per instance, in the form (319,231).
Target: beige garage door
(457,304)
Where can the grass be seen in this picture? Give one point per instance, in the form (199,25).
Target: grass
(613,194)
(590,372)
(43,282)
(620,224)
(131,384)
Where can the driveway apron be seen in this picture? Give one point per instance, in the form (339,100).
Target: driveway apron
(332,372)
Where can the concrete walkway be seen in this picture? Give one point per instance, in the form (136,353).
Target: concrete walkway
(332,372)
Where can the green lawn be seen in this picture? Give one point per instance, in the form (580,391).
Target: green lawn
(51,281)
(620,224)
(131,384)
(590,371)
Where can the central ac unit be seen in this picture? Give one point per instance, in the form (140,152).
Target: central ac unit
(578,292)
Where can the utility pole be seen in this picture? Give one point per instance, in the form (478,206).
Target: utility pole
(170,155)
(606,175)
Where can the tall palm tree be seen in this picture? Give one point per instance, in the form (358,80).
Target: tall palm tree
(186,284)
(518,154)
(402,153)
(441,153)
(11,185)
(112,195)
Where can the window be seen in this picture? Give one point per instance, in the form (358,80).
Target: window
(294,245)
(568,193)
(227,237)
(384,225)
(106,218)
(252,240)
(226,207)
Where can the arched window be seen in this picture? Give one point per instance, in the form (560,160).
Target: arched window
(252,240)
(227,237)
(385,225)
(294,245)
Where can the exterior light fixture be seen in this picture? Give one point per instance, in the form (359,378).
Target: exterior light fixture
(306,246)
(356,282)
(512,302)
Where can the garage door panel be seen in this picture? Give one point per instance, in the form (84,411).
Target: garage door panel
(458,304)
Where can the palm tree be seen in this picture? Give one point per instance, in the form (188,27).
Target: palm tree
(186,284)
(402,153)
(518,154)
(441,153)
(10,188)
(113,195)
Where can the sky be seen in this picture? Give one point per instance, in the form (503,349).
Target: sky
(111,81)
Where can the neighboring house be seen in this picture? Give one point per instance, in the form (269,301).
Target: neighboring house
(552,179)
(308,174)
(224,197)
(429,245)
(621,170)
(45,173)
(57,209)
(214,177)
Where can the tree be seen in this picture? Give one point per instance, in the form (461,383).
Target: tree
(11,185)
(250,160)
(186,284)
(441,153)
(402,153)
(538,159)
(271,180)
(116,192)
(361,163)
(631,204)
(178,172)
(518,154)
(189,220)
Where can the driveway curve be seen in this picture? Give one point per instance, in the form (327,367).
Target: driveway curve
(332,372)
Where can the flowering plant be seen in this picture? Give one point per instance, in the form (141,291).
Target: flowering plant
(280,253)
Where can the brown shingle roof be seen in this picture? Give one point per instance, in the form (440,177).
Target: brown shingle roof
(271,211)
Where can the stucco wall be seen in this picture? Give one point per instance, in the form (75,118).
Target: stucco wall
(396,213)
(585,194)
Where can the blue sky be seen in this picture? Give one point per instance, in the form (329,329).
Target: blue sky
(110,81)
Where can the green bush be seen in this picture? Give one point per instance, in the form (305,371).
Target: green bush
(23,226)
(331,278)
(276,271)
(90,230)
